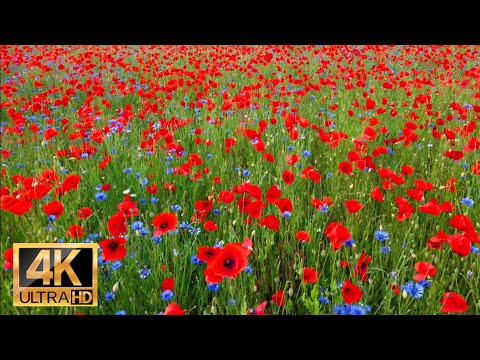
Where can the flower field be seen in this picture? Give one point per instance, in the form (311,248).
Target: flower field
(225,180)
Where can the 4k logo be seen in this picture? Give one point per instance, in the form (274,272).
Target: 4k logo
(55,274)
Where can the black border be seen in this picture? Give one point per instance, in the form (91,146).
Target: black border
(415,23)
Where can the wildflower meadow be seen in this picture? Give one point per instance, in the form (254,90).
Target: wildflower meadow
(248,180)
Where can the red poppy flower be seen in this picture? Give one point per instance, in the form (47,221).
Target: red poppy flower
(309,275)
(284,205)
(460,244)
(167,284)
(362,267)
(407,170)
(454,154)
(351,293)
(253,190)
(288,177)
(376,194)
(345,167)
(203,205)
(424,269)
(113,249)
(431,208)
(53,208)
(344,264)
(8,256)
(152,189)
(337,234)
(405,210)
(210,226)
(292,159)
(206,253)
(128,208)
(247,244)
(259,310)
(453,302)
(116,225)
(369,134)
(279,298)
(211,277)
(271,222)
(416,194)
(255,209)
(230,261)
(435,242)
(353,206)
(461,223)
(310,173)
(302,236)
(273,194)
(75,231)
(70,183)
(84,213)
(14,205)
(173,309)
(243,203)
(164,222)
(226,197)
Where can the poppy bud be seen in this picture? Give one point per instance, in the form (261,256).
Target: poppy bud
(125,192)
(323,253)
(252,234)
(213,310)
(290,292)
(254,288)
(116,287)
(404,294)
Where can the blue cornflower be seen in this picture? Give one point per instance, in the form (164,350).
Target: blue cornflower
(381,235)
(143,181)
(246,173)
(154,200)
(425,283)
(156,239)
(290,147)
(101,196)
(52,217)
(216,211)
(231,302)
(176,208)
(357,310)
(385,249)
(116,265)
(137,225)
(195,231)
(286,214)
(214,287)
(237,169)
(194,259)
(144,231)
(84,155)
(185,225)
(467,202)
(415,290)
(144,273)
(167,295)
(121,312)
(127,171)
(248,269)
(341,310)
(324,208)
(349,242)
(324,300)
(474,249)
(109,296)
(306,153)
(209,156)
(328,175)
